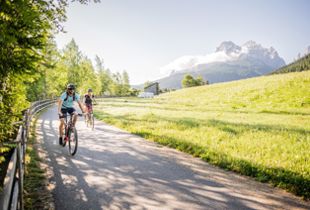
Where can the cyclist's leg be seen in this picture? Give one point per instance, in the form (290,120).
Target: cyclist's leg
(74,118)
(62,122)
(88,112)
(90,108)
(61,125)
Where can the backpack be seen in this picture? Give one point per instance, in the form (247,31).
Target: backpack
(67,96)
(87,99)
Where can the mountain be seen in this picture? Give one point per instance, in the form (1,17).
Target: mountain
(301,64)
(228,62)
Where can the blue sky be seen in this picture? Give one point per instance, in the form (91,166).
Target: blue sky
(141,36)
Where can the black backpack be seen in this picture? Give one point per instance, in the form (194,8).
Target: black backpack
(68,96)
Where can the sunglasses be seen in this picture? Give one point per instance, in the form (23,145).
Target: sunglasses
(70,89)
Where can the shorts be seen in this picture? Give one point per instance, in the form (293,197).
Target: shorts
(64,111)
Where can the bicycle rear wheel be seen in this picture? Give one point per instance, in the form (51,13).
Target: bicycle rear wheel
(88,120)
(73,141)
(85,119)
(92,122)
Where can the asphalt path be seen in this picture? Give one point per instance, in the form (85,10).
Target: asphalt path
(113,169)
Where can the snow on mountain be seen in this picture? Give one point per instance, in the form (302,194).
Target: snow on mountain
(229,48)
(228,51)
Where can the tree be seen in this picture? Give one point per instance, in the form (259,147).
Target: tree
(120,84)
(99,64)
(104,76)
(125,84)
(89,77)
(73,67)
(25,28)
(72,58)
(134,92)
(39,87)
(188,81)
(199,81)
(116,85)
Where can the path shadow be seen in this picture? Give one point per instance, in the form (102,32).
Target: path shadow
(115,170)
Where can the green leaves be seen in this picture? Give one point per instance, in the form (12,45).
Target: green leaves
(190,81)
(31,67)
(25,28)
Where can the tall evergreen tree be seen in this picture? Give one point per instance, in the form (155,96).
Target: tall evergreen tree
(104,76)
(125,83)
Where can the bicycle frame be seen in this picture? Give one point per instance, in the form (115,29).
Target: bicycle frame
(89,117)
(69,128)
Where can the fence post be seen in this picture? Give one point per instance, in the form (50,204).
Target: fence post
(20,176)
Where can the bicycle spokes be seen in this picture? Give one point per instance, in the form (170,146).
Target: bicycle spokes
(73,142)
(70,136)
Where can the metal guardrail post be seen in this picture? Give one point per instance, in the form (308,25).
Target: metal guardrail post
(20,176)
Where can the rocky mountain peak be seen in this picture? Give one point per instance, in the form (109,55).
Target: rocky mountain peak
(252,45)
(228,47)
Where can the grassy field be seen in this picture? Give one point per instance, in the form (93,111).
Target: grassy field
(258,127)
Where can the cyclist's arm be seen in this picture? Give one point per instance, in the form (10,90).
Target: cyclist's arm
(82,107)
(59,106)
(93,98)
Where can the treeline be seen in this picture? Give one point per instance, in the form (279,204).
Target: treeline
(190,81)
(32,68)
(71,66)
(301,64)
(25,28)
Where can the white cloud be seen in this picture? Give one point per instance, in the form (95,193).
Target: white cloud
(190,61)
(227,51)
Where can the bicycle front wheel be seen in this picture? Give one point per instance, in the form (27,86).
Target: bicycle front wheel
(65,137)
(73,141)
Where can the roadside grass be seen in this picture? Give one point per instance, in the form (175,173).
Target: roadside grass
(36,196)
(258,127)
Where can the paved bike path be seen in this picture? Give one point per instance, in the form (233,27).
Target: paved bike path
(116,170)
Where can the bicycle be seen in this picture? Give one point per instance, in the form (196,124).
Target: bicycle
(69,130)
(89,119)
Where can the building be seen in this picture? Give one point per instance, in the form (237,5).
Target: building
(152,88)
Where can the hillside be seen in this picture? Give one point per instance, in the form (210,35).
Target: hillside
(258,127)
(229,62)
(301,64)
(283,93)
(217,72)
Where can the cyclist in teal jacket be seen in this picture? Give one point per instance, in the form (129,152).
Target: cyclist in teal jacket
(66,106)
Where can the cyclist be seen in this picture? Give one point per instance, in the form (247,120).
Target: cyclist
(65,105)
(88,100)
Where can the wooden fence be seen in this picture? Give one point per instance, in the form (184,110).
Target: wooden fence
(11,197)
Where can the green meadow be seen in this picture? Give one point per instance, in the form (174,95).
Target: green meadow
(258,127)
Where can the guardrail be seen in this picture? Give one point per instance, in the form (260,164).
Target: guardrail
(11,197)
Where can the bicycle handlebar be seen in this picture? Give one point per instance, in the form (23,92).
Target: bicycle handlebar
(65,115)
